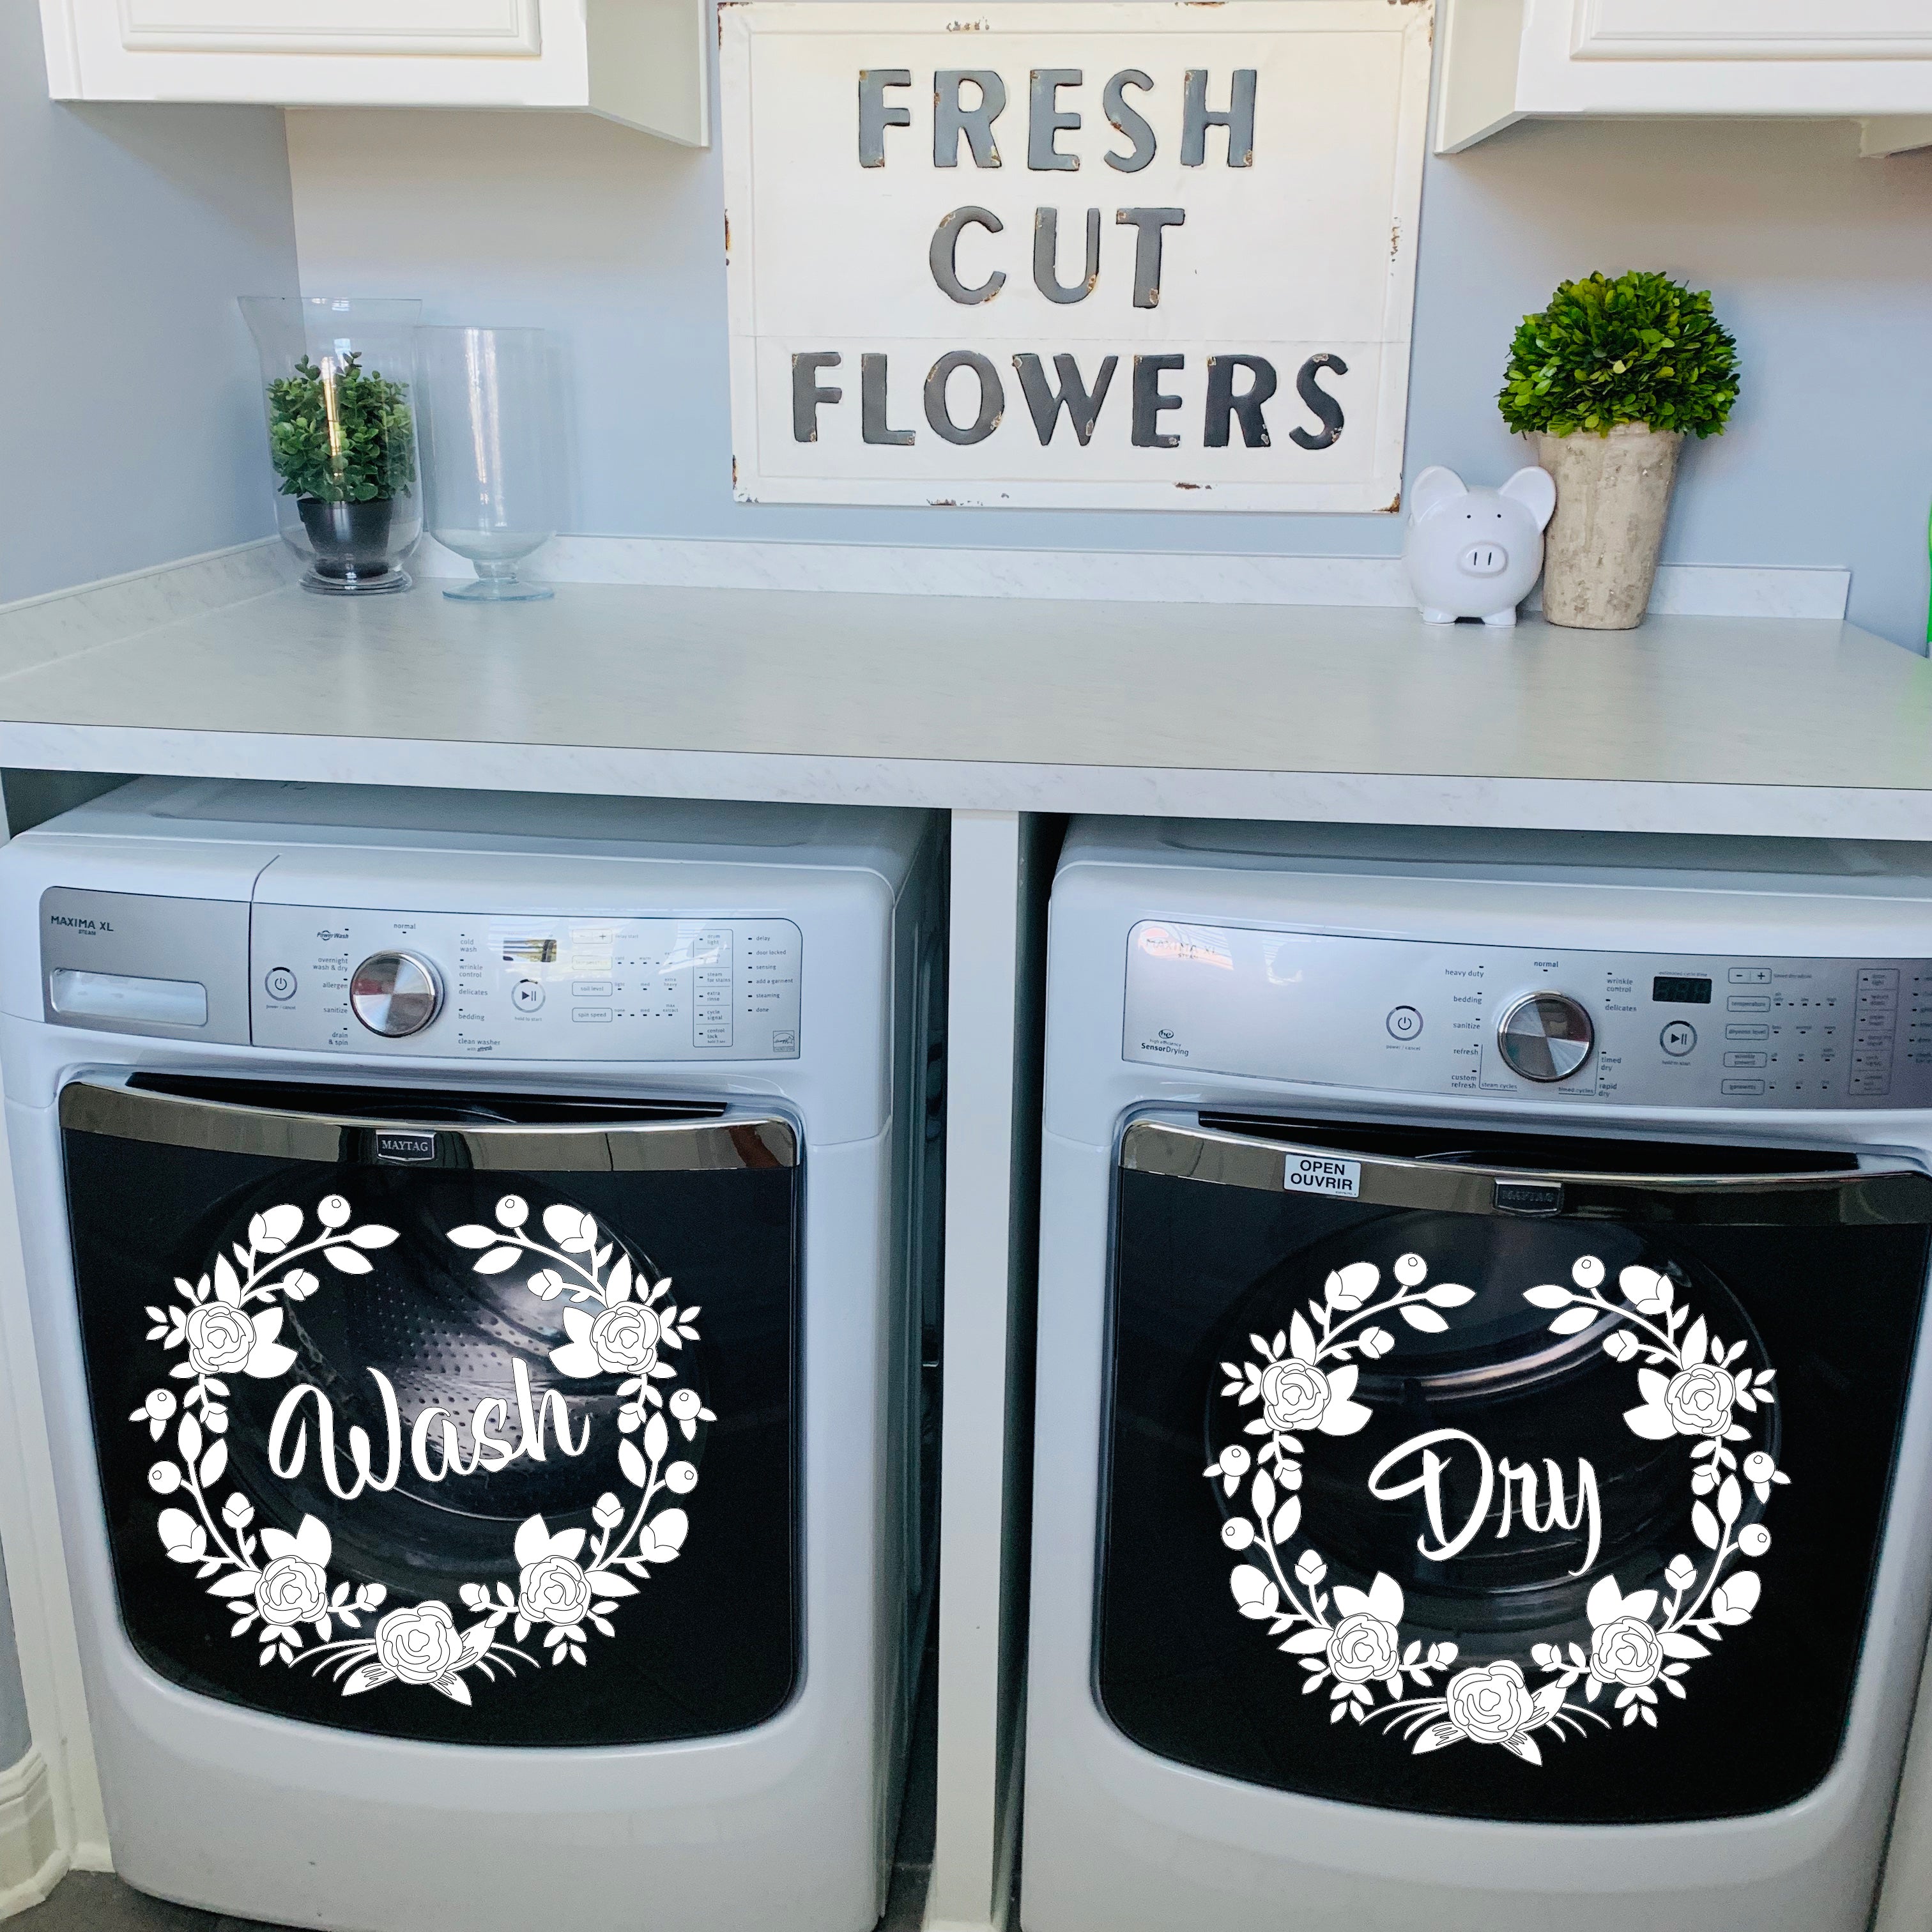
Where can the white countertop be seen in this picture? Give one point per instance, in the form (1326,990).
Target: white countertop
(1760,725)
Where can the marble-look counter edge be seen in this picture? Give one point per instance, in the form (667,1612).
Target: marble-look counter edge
(1803,811)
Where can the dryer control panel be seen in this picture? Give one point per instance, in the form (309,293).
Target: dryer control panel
(493,986)
(1416,1017)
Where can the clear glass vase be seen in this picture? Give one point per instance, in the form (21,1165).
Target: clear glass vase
(339,383)
(491,470)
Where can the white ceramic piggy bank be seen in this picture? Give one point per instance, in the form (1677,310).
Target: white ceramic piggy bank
(1476,553)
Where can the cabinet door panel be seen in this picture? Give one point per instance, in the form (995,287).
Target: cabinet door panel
(331,26)
(1735,30)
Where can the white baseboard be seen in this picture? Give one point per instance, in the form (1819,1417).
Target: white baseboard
(1160,577)
(31,1862)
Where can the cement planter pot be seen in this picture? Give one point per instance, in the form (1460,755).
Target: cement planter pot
(1612,496)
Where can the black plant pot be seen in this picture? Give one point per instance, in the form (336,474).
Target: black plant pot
(351,543)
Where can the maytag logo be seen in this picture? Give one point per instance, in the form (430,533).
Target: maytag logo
(1529,1197)
(392,1146)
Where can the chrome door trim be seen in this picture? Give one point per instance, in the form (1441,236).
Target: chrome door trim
(106,1104)
(1881,1192)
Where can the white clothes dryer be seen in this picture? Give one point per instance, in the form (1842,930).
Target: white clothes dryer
(1483,1461)
(479,1250)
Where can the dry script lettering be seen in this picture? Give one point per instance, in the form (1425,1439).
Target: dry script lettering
(1518,1508)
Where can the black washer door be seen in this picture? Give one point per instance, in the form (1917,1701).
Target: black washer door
(483,1433)
(1462,1487)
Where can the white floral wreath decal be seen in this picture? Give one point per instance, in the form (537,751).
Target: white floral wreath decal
(1692,1385)
(280,1581)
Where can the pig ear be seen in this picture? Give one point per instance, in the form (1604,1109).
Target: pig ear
(1535,489)
(1435,486)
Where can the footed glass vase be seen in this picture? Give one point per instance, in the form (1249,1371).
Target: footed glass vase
(338,380)
(491,466)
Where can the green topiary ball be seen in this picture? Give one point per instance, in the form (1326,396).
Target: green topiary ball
(1642,348)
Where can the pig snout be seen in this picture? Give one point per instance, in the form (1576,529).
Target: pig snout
(1487,559)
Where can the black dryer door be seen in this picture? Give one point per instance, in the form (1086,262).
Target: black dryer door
(440,1417)
(1538,1481)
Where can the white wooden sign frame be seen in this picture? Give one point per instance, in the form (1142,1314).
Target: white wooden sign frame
(1289,284)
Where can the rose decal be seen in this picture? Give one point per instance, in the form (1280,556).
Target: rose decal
(1294,1394)
(220,1338)
(419,1644)
(1699,1400)
(1491,1703)
(294,1589)
(623,1338)
(1625,1650)
(1696,1390)
(1363,1646)
(553,1590)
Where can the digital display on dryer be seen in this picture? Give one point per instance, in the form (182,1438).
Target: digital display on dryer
(1680,990)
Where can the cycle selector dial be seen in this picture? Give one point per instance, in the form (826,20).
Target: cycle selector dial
(395,994)
(1546,1037)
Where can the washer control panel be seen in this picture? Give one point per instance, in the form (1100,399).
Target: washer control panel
(1413,1016)
(486,986)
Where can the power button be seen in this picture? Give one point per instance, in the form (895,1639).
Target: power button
(279,983)
(1404,1023)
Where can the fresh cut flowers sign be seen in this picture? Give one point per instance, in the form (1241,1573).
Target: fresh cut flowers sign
(1079,254)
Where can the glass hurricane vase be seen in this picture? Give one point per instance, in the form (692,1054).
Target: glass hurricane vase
(491,462)
(338,382)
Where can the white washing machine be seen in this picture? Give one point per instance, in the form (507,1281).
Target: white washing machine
(479,1249)
(1483,1467)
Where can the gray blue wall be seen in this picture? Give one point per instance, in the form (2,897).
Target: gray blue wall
(1820,262)
(130,431)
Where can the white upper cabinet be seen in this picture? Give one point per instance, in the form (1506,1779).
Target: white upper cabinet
(1509,60)
(643,62)
(347,27)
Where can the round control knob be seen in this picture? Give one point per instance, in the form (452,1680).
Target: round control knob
(1546,1037)
(395,994)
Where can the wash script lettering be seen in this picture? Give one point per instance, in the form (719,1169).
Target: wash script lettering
(436,1448)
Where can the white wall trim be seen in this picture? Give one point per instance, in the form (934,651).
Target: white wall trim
(1158,577)
(31,1862)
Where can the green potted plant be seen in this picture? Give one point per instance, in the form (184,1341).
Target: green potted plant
(344,445)
(1608,379)
(338,380)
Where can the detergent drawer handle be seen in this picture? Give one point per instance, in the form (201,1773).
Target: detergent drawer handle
(106,1104)
(1878,1191)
